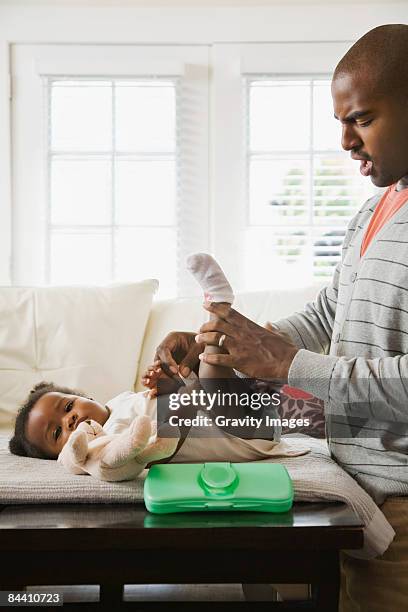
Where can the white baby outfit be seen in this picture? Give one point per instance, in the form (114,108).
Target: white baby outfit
(222,447)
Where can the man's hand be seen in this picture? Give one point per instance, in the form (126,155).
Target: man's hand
(252,349)
(179,352)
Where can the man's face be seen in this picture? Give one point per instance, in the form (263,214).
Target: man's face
(56,415)
(375,128)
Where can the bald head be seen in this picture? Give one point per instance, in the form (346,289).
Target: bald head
(370,99)
(379,58)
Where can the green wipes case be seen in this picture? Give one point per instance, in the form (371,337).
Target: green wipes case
(259,487)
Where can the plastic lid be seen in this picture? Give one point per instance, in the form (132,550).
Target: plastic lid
(218,475)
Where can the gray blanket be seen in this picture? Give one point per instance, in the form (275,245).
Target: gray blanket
(37,481)
(315,476)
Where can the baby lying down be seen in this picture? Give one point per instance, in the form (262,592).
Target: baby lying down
(118,440)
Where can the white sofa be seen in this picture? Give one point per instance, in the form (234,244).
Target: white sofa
(100,339)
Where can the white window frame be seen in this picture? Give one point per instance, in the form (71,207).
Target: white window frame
(29,63)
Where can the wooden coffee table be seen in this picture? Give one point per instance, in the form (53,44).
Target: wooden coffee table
(113,545)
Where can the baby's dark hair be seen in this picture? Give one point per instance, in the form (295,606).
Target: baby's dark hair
(19,445)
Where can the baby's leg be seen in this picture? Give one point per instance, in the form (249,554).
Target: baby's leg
(213,378)
(216,288)
(208,370)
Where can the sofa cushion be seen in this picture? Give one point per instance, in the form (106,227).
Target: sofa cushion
(89,338)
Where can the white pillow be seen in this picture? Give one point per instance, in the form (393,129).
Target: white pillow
(84,337)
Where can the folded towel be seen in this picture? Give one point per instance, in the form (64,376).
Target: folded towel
(316,477)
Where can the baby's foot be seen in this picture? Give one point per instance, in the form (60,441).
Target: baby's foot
(168,383)
(210,277)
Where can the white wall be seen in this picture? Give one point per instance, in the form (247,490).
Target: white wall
(176,3)
(26,22)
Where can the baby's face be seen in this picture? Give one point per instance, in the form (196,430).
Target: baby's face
(56,415)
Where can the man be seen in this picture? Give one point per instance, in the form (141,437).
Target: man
(350,347)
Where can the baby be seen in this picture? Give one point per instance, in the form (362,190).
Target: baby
(51,413)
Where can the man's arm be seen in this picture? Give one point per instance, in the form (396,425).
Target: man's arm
(269,353)
(355,387)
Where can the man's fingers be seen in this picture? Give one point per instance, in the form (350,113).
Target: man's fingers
(212,338)
(168,364)
(219,359)
(190,360)
(226,312)
(218,325)
(221,309)
(177,348)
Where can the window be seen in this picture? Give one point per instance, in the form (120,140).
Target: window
(113,181)
(287,189)
(120,164)
(302,188)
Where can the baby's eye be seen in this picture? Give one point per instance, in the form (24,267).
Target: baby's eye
(57,432)
(69,406)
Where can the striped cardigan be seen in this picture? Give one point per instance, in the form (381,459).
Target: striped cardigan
(353,354)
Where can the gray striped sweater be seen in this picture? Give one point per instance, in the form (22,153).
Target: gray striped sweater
(353,354)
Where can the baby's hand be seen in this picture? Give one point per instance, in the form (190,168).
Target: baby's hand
(150,378)
(168,384)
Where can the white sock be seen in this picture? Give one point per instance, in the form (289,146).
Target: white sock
(210,277)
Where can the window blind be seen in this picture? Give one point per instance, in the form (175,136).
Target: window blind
(113,170)
(302,189)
